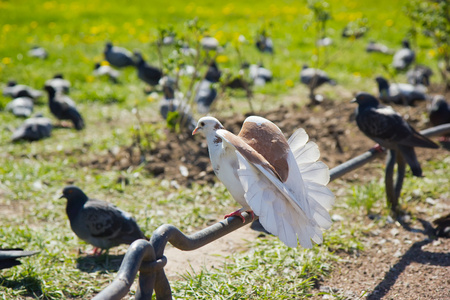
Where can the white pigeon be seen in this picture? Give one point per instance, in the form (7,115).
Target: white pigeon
(280,181)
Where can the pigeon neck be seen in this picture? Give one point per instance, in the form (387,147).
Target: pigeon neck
(74,206)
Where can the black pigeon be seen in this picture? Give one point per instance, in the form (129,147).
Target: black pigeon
(117,56)
(264,43)
(21,107)
(388,128)
(63,108)
(400,93)
(148,74)
(206,94)
(419,75)
(404,57)
(59,83)
(9,257)
(377,47)
(213,73)
(314,78)
(443,226)
(98,222)
(106,70)
(33,129)
(15,90)
(439,111)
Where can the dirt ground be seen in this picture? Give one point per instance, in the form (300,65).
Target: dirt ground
(400,261)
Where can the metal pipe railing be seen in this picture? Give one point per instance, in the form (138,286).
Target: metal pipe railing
(148,258)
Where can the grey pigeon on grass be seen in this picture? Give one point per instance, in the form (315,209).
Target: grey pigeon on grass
(400,93)
(147,73)
(117,56)
(38,52)
(98,222)
(106,70)
(439,111)
(404,57)
(388,128)
(21,107)
(205,96)
(9,257)
(63,108)
(59,83)
(33,129)
(15,90)
(314,77)
(377,47)
(419,75)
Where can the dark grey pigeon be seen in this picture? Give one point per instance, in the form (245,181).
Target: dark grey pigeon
(9,257)
(15,90)
(148,74)
(106,70)
(388,128)
(439,111)
(314,78)
(117,56)
(213,73)
(420,75)
(63,108)
(21,107)
(98,222)
(264,43)
(173,103)
(377,47)
(400,93)
(205,96)
(59,83)
(33,129)
(404,57)
(443,226)
(38,52)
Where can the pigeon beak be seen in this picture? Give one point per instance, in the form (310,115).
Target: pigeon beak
(195,131)
(353,100)
(62,196)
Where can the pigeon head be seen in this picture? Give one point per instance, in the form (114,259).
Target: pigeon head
(108,46)
(405,44)
(72,193)
(59,75)
(383,84)
(207,125)
(365,99)
(12,83)
(50,89)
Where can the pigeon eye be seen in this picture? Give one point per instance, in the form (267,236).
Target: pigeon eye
(202,124)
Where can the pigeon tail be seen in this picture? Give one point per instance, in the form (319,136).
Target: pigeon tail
(410,156)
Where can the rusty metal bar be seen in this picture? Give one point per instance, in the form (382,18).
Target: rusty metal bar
(148,257)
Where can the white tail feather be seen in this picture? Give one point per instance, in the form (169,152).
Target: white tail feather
(317,172)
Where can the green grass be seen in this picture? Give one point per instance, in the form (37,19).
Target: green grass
(32,175)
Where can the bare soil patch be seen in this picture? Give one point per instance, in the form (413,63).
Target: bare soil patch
(400,261)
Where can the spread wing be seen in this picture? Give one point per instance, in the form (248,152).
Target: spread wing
(286,206)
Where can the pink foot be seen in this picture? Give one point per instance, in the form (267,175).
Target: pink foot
(95,252)
(238,213)
(378,148)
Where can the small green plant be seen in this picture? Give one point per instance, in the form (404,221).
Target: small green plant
(433,18)
(366,196)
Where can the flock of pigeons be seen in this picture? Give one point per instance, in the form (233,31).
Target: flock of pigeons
(282,181)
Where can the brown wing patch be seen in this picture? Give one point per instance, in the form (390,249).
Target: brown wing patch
(249,153)
(267,139)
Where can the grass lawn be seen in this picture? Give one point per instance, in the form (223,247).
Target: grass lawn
(32,175)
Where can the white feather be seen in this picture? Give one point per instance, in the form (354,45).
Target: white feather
(317,172)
